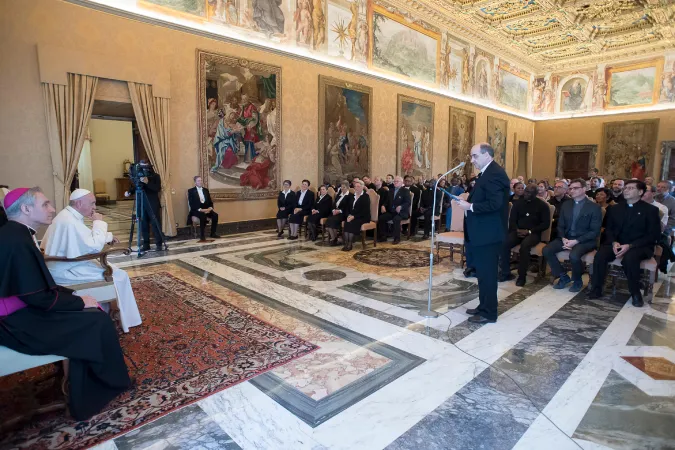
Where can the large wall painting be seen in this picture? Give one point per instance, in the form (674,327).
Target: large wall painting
(513,88)
(462,137)
(240,126)
(415,137)
(629,148)
(345,117)
(404,49)
(573,95)
(496,137)
(633,85)
(347,30)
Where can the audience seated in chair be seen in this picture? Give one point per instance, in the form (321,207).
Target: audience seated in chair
(426,207)
(47,319)
(578,230)
(201,206)
(558,198)
(285,203)
(664,197)
(303,207)
(528,219)
(416,192)
(632,231)
(69,237)
(595,185)
(397,208)
(358,215)
(341,208)
(321,209)
(518,192)
(617,190)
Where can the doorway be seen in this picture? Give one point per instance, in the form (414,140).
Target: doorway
(523,163)
(575,161)
(668,161)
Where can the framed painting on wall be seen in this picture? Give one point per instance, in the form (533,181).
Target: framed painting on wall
(462,137)
(240,145)
(513,88)
(402,48)
(633,85)
(629,148)
(345,118)
(496,137)
(415,137)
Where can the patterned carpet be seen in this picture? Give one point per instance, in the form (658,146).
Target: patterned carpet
(191,345)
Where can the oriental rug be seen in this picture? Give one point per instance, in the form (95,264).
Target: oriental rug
(191,344)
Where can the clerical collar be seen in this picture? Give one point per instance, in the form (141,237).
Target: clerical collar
(30,229)
(75,213)
(630,205)
(579,201)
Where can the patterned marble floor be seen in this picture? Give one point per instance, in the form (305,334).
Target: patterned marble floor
(556,371)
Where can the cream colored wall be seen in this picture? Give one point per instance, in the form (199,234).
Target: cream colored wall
(588,130)
(25,25)
(111,143)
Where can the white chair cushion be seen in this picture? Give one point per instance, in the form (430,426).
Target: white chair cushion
(12,362)
(451,237)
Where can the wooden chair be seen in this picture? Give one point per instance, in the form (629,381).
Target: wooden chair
(374,214)
(194,221)
(453,239)
(537,250)
(564,256)
(322,222)
(100,192)
(649,267)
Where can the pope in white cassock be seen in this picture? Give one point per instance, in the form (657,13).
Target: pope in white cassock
(68,236)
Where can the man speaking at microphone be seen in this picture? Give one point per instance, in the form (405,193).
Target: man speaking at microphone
(485,224)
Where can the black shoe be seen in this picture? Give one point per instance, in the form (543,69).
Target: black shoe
(563,281)
(334,243)
(637,300)
(292,238)
(472,311)
(520,282)
(280,234)
(145,248)
(507,277)
(594,293)
(425,237)
(396,241)
(215,236)
(480,319)
(469,272)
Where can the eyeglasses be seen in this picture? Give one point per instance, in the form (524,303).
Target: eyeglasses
(630,188)
(575,187)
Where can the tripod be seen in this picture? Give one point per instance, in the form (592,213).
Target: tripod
(141,208)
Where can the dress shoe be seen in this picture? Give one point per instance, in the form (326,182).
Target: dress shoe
(594,293)
(215,236)
(480,319)
(334,243)
(577,286)
(425,237)
(292,238)
(520,282)
(507,277)
(396,241)
(469,272)
(345,248)
(563,281)
(472,311)
(637,300)
(280,234)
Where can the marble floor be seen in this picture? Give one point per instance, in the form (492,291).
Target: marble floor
(556,371)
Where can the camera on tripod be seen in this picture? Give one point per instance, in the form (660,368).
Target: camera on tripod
(138,171)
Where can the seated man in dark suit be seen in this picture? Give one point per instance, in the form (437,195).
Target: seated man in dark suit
(201,206)
(633,229)
(304,204)
(426,206)
(558,198)
(390,182)
(529,217)
(383,192)
(578,229)
(416,195)
(321,209)
(398,208)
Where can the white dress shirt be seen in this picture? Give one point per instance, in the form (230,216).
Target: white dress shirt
(302,196)
(200,191)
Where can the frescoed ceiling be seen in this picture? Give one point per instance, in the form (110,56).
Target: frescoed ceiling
(549,35)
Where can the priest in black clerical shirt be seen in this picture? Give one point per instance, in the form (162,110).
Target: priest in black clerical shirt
(633,229)
(41,318)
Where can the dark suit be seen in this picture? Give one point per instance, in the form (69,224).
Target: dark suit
(195,204)
(344,204)
(361,212)
(426,205)
(152,189)
(484,232)
(416,196)
(557,203)
(586,231)
(305,206)
(638,226)
(287,202)
(534,216)
(324,206)
(396,199)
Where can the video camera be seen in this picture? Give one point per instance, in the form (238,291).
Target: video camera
(138,171)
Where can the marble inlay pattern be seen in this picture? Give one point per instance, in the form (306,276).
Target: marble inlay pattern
(393,257)
(654,331)
(657,368)
(624,417)
(279,258)
(188,428)
(324,275)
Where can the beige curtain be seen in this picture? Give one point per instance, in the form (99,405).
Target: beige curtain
(68,110)
(152,116)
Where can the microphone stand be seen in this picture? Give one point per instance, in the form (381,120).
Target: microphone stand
(430,313)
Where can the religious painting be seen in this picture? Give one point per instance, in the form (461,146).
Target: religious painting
(513,88)
(415,140)
(347,29)
(410,50)
(345,117)
(629,148)
(573,95)
(633,85)
(668,84)
(455,70)
(186,8)
(483,75)
(240,127)
(462,138)
(496,137)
